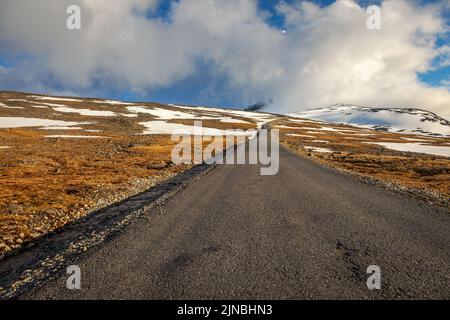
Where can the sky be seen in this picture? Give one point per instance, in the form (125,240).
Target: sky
(231,53)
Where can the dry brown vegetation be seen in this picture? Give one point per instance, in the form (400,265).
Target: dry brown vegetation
(47,182)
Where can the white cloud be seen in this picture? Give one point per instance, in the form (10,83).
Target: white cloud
(326,56)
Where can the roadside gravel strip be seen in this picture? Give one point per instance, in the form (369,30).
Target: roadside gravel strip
(46,257)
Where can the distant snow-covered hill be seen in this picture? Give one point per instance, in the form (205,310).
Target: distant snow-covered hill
(401,120)
(108,117)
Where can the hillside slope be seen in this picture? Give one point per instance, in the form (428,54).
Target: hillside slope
(412,121)
(62,158)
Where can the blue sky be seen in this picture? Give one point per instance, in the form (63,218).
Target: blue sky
(187,91)
(207,80)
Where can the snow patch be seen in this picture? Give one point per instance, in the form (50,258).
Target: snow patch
(61,128)
(400,120)
(316,149)
(299,135)
(8,107)
(56,98)
(364,134)
(304,121)
(259,118)
(414,140)
(19,122)
(18,100)
(86,112)
(113,102)
(233,120)
(165,114)
(415,147)
(129,115)
(163,127)
(54,104)
(287,127)
(327,129)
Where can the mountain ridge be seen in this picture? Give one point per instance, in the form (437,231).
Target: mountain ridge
(390,119)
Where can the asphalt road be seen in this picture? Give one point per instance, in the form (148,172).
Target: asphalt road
(306,233)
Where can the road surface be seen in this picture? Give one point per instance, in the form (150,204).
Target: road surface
(308,232)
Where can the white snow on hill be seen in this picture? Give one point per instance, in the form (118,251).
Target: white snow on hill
(400,120)
(163,115)
(415,147)
(163,127)
(20,122)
